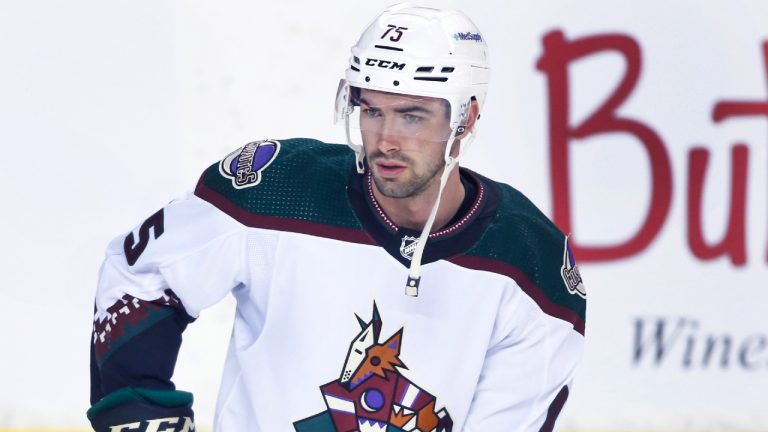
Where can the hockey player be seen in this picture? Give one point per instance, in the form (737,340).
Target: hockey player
(478,307)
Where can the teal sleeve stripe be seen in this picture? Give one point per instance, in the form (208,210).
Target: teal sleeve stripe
(126,395)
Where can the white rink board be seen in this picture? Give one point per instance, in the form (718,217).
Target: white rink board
(109,110)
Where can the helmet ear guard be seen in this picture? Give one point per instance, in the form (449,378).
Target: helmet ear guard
(468,124)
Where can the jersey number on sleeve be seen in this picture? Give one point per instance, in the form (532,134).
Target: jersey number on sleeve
(134,251)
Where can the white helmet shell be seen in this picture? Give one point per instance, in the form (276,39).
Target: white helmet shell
(423,52)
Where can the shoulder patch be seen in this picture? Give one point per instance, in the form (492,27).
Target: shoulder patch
(570,273)
(244,166)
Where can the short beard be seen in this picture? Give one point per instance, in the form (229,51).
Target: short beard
(413,187)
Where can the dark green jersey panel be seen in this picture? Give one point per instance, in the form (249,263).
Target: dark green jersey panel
(525,245)
(293,185)
(305,181)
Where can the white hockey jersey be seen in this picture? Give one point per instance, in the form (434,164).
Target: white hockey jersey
(325,338)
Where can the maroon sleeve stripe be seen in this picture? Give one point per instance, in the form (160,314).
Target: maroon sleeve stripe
(527,285)
(254,220)
(554,410)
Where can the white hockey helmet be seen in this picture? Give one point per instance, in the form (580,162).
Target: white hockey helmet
(417,51)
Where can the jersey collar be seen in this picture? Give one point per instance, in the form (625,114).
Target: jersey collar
(451,240)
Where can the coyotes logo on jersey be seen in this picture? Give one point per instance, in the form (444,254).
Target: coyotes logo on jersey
(371,394)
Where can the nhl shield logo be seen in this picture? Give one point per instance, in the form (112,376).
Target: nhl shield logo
(408,246)
(570,273)
(244,166)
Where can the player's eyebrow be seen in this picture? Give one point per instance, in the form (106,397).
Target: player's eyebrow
(401,109)
(363,101)
(413,108)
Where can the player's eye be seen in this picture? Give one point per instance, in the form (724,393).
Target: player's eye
(371,112)
(410,118)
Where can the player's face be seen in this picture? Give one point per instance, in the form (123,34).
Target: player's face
(404,139)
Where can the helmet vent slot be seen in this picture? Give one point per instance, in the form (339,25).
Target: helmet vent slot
(356,59)
(447,69)
(438,79)
(425,69)
(388,47)
(354,68)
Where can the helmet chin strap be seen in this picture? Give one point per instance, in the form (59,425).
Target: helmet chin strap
(414,273)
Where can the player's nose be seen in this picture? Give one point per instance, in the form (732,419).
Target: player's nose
(388,144)
(388,137)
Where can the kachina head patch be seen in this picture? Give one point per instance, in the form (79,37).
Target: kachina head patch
(371,395)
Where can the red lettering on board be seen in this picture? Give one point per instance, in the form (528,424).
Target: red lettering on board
(734,242)
(729,109)
(558,54)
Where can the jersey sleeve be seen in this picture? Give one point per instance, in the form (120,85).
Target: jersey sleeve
(538,338)
(154,281)
(527,372)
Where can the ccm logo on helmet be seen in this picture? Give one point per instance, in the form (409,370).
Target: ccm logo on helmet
(386,64)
